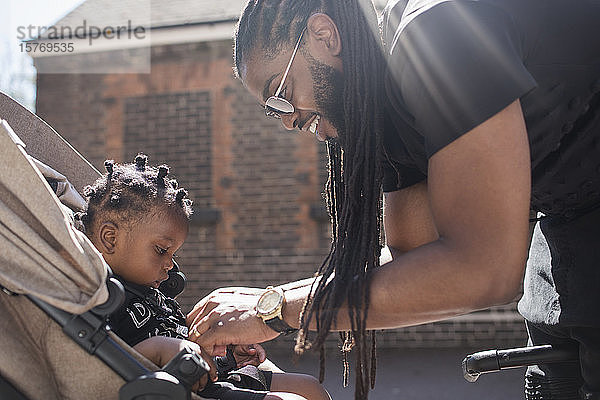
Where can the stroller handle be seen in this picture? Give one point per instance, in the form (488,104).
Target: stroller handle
(476,364)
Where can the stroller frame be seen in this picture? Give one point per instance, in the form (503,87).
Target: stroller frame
(89,330)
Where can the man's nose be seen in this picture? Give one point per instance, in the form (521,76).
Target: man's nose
(170,265)
(290,121)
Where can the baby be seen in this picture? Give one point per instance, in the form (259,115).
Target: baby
(138,218)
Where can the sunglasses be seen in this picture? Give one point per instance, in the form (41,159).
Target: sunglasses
(276,106)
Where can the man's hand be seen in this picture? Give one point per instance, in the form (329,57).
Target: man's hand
(248,354)
(228,316)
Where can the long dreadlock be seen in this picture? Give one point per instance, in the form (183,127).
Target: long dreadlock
(353,189)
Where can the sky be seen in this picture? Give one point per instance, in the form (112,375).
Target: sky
(17,74)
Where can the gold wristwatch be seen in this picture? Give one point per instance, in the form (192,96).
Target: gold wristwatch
(269,307)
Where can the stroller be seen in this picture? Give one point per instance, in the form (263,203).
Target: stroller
(483,362)
(56,288)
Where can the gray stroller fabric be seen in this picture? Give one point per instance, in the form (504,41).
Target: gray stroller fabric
(42,254)
(43,363)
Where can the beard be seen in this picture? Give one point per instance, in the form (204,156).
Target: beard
(328,87)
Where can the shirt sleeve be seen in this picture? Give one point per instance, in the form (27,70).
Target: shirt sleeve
(457,64)
(397,176)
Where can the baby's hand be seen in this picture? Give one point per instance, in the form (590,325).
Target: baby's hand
(161,349)
(248,354)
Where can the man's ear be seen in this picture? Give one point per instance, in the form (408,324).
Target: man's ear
(324,31)
(108,234)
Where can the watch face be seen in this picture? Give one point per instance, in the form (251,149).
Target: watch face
(268,302)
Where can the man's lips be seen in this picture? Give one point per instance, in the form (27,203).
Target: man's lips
(307,122)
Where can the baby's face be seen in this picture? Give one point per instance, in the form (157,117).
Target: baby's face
(145,252)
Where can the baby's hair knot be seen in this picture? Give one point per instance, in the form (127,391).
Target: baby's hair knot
(163,171)
(89,191)
(181,194)
(140,162)
(109,166)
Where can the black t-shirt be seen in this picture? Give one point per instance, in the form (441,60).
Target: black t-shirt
(147,312)
(453,64)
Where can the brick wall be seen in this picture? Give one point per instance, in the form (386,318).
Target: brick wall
(75,107)
(257,188)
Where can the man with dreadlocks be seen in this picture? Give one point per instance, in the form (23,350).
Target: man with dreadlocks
(467,114)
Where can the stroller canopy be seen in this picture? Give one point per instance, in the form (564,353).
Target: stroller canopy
(42,254)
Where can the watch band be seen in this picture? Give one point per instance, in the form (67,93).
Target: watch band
(279,325)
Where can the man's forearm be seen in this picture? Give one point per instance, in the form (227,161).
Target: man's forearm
(430,283)
(296,294)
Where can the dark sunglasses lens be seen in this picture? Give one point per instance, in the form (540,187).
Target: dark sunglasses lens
(279,105)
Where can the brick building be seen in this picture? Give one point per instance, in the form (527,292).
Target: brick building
(259,217)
